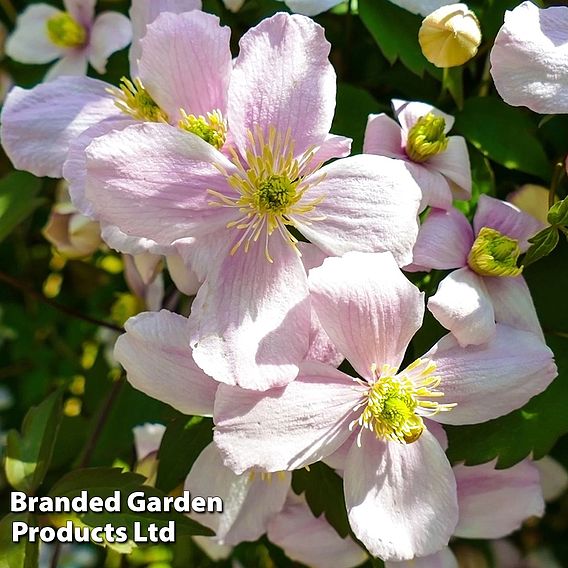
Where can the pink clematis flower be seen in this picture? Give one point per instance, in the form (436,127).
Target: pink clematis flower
(399,487)
(439,163)
(74,36)
(230,212)
(487,286)
(529,60)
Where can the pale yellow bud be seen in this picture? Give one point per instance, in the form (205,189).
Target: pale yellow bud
(533,199)
(450,35)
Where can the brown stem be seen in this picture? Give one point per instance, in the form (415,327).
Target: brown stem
(9,10)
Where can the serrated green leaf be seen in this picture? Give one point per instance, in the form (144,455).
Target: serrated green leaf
(532,429)
(190,434)
(323,490)
(28,454)
(18,192)
(23,554)
(542,244)
(504,134)
(558,213)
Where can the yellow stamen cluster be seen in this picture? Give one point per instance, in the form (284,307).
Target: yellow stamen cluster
(426,138)
(494,254)
(211,128)
(395,403)
(64,31)
(270,184)
(132,98)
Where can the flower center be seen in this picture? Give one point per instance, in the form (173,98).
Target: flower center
(270,184)
(395,403)
(133,99)
(64,31)
(494,254)
(426,138)
(211,128)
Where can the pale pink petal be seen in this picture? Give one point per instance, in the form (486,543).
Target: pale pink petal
(437,430)
(488,381)
(311,7)
(184,278)
(144,12)
(506,218)
(249,501)
(310,540)
(203,255)
(443,559)
(288,427)
(147,439)
(140,271)
(368,308)
(370,204)
(401,498)
(454,165)
(463,305)
(283,79)
(408,114)
(495,502)
(29,43)
(121,242)
(553,478)
(436,190)
(444,240)
(529,61)
(513,303)
(383,137)
(422,7)
(155,353)
(333,146)
(72,63)
(186,63)
(81,10)
(251,317)
(111,32)
(213,549)
(72,104)
(152,179)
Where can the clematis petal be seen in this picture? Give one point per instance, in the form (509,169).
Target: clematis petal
(401,498)
(553,478)
(530,58)
(310,540)
(333,146)
(111,32)
(195,43)
(423,8)
(495,502)
(249,501)
(408,113)
(445,558)
(383,137)
(40,146)
(311,7)
(507,219)
(454,165)
(251,318)
(72,63)
(369,203)
(488,381)
(289,427)
(155,353)
(444,240)
(147,439)
(121,242)
(513,304)
(184,278)
(463,305)
(436,190)
(29,43)
(282,78)
(81,10)
(152,180)
(368,308)
(144,12)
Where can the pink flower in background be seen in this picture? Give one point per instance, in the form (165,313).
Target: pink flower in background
(399,486)
(487,286)
(230,212)
(74,36)
(529,60)
(439,163)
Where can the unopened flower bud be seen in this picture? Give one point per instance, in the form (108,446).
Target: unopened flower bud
(450,35)
(532,199)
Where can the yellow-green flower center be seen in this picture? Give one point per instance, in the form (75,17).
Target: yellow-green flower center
(64,31)
(211,128)
(395,403)
(132,98)
(269,184)
(426,138)
(494,254)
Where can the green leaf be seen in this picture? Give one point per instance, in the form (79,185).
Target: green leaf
(22,554)
(558,213)
(17,200)
(323,490)
(190,434)
(396,32)
(505,134)
(28,454)
(103,482)
(542,244)
(531,429)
